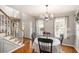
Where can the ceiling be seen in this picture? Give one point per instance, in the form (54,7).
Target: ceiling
(35,10)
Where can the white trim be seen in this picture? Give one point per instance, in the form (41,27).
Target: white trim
(68,45)
(77,49)
(16,48)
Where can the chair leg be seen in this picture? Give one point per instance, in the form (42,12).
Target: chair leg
(33,51)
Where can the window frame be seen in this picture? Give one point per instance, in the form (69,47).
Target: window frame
(66,18)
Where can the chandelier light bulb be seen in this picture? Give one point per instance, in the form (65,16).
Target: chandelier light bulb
(47,15)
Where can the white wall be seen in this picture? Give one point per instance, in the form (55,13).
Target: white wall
(49,26)
(70,40)
(28,25)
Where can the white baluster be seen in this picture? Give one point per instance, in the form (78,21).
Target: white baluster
(0,23)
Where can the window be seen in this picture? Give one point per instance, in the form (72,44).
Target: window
(60,26)
(39,27)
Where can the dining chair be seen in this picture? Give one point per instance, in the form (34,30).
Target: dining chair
(46,34)
(45,45)
(61,38)
(33,37)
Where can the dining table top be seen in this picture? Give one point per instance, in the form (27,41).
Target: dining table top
(56,41)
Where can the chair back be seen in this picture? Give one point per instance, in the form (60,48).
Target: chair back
(45,45)
(61,38)
(33,37)
(46,34)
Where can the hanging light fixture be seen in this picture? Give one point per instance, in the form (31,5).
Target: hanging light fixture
(46,13)
(47,16)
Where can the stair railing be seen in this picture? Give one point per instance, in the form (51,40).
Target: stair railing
(7,22)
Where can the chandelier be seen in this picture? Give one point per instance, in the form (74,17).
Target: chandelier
(47,16)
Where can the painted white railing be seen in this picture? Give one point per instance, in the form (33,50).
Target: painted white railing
(11,35)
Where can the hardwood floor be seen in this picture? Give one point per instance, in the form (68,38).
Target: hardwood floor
(25,49)
(28,48)
(68,49)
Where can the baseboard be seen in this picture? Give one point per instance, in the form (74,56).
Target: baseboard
(68,45)
(76,49)
(26,38)
(71,46)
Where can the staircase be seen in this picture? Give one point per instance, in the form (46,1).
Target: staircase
(9,28)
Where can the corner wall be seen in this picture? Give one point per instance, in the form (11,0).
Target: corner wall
(28,24)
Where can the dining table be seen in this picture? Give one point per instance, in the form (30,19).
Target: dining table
(56,47)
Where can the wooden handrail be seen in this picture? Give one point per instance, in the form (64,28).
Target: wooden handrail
(10,18)
(5,14)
